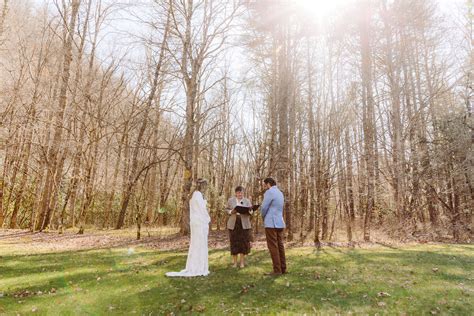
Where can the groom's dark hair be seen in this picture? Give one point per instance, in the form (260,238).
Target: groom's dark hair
(270,181)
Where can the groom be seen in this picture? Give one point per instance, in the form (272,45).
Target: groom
(272,213)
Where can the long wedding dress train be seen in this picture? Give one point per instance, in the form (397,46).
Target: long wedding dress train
(197,262)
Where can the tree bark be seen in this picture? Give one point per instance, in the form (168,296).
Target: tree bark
(54,156)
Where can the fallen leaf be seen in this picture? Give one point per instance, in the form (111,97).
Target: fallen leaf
(34,309)
(381,304)
(435,269)
(24,293)
(199,308)
(383,294)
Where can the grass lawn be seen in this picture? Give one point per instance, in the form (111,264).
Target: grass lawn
(424,279)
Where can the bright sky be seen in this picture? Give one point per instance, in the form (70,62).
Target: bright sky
(118,36)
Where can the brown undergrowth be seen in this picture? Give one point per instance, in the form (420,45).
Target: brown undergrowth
(23,241)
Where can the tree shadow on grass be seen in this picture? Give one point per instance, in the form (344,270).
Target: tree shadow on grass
(230,289)
(5,234)
(407,256)
(227,289)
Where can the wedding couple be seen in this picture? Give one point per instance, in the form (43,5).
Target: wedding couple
(197,263)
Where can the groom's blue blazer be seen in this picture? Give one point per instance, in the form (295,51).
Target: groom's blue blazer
(272,208)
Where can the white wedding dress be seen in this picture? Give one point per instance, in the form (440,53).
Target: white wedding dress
(197,263)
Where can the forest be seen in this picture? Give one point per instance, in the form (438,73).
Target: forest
(362,112)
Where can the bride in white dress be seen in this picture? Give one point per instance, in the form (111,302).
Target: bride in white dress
(197,263)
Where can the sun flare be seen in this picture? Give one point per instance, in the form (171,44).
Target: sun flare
(319,8)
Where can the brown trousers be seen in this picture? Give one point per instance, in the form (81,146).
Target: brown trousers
(276,248)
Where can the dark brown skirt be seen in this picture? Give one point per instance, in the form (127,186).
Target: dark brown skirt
(239,239)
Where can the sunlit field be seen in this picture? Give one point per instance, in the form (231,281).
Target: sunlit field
(427,279)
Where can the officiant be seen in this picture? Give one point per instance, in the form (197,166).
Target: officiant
(239,226)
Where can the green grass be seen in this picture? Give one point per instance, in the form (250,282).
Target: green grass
(425,279)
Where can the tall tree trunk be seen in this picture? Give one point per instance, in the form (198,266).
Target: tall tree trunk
(188,151)
(191,86)
(349,176)
(54,154)
(132,179)
(2,182)
(312,141)
(392,72)
(368,111)
(283,113)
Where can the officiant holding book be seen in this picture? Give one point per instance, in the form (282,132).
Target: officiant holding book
(239,209)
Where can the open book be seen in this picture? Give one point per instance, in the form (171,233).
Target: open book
(246,209)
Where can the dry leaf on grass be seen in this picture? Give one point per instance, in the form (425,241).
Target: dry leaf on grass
(383,294)
(199,308)
(382,304)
